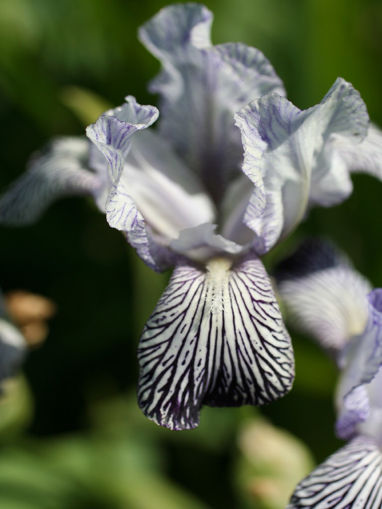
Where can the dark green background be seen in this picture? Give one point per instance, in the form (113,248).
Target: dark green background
(103,292)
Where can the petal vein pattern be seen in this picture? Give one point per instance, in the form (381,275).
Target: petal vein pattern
(216,337)
(60,170)
(361,360)
(113,131)
(349,479)
(112,134)
(286,152)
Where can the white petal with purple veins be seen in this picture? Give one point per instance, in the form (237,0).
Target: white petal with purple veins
(152,196)
(267,127)
(251,74)
(282,154)
(113,131)
(216,337)
(325,296)
(61,170)
(175,28)
(201,88)
(112,134)
(361,361)
(351,478)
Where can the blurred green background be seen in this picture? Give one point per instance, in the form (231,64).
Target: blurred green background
(71,435)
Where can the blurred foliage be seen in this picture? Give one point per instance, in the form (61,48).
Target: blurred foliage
(271,463)
(86,445)
(16,408)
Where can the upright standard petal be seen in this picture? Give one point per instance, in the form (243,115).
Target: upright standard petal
(217,338)
(204,85)
(325,296)
(361,362)
(61,170)
(350,478)
(282,157)
(176,27)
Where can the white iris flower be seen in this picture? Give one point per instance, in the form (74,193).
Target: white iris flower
(231,169)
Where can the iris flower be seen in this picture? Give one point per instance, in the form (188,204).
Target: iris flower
(231,170)
(335,304)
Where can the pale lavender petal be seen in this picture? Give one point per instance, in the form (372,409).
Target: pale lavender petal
(251,73)
(232,210)
(266,127)
(283,154)
(372,394)
(268,225)
(217,338)
(361,361)
(325,296)
(366,157)
(201,243)
(113,131)
(62,169)
(168,195)
(175,28)
(112,134)
(331,182)
(342,157)
(351,478)
(201,87)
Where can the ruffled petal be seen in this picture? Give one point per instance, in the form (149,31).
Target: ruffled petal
(112,135)
(151,196)
(201,87)
(361,362)
(325,296)
(176,28)
(283,148)
(113,131)
(61,170)
(366,157)
(217,338)
(350,478)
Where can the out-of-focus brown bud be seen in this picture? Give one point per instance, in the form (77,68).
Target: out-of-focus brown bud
(30,312)
(271,463)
